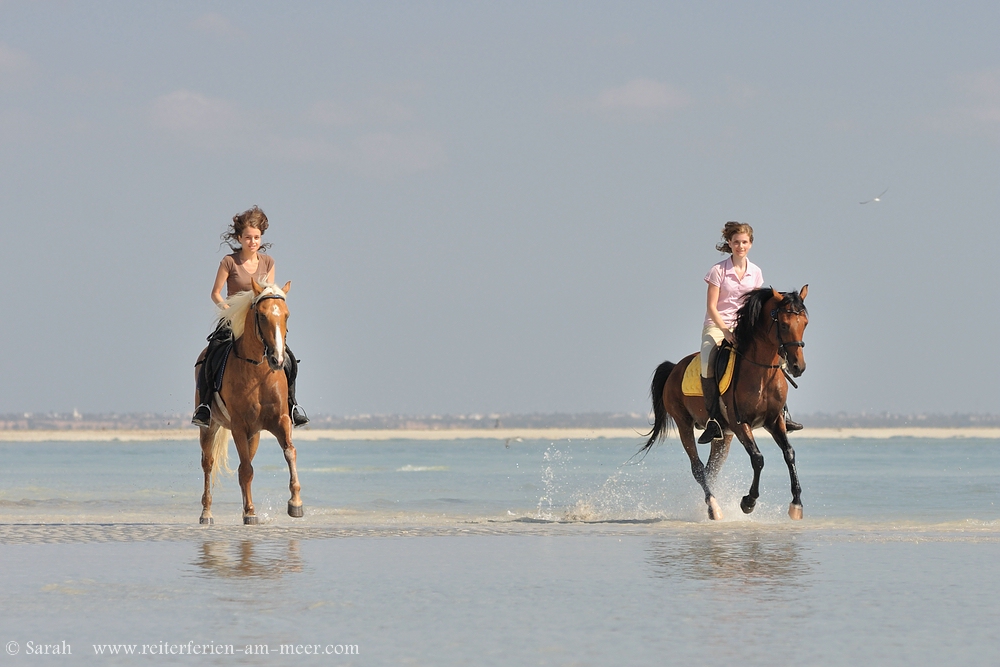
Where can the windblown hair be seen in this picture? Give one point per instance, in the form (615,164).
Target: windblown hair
(252,217)
(729,231)
(748,317)
(236,315)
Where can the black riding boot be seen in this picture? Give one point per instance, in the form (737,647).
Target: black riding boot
(203,413)
(298,415)
(790,424)
(713,430)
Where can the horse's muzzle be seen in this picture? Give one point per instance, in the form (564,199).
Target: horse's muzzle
(273,362)
(797,369)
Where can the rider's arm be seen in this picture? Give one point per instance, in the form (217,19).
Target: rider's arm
(712,307)
(220,280)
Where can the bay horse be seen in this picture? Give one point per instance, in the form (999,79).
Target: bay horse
(253,396)
(768,333)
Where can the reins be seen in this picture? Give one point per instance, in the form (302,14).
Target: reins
(257,332)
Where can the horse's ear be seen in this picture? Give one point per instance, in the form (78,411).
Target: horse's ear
(287,287)
(777,295)
(803,292)
(257,289)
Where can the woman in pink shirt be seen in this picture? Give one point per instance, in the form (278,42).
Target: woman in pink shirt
(248,261)
(728,282)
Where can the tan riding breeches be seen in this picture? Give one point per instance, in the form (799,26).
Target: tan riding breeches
(711,338)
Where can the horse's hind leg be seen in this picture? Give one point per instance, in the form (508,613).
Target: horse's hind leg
(284,436)
(686,432)
(246,447)
(720,452)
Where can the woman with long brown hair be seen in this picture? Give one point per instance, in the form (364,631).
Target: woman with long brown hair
(247,262)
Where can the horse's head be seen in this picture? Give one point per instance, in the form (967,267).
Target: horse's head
(270,315)
(790,320)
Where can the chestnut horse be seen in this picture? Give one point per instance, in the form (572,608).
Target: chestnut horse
(253,396)
(768,333)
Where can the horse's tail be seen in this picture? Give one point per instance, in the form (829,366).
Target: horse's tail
(220,454)
(661,420)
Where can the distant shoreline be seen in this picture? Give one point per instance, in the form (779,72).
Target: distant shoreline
(505,434)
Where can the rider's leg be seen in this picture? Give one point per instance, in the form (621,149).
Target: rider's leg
(710,339)
(296,412)
(206,383)
(202,412)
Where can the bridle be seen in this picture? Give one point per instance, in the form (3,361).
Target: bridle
(782,352)
(257,329)
(792,343)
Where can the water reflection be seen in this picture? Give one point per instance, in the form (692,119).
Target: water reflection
(249,559)
(749,559)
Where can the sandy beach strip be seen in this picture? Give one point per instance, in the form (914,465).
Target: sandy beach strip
(511,434)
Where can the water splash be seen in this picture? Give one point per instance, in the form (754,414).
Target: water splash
(553,477)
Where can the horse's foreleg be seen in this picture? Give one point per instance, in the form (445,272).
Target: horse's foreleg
(245,446)
(780,437)
(284,436)
(698,469)
(745,435)
(720,451)
(207,438)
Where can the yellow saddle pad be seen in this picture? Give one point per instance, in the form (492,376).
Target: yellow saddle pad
(691,383)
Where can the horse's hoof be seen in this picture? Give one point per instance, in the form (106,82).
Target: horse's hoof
(250,520)
(795,512)
(714,511)
(295,511)
(206,521)
(747,504)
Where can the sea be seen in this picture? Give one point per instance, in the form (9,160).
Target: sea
(493,552)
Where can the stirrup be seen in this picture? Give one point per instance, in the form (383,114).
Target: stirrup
(299,416)
(202,416)
(790,424)
(712,432)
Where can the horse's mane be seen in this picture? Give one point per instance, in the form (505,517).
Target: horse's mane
(236,315)
(749,314)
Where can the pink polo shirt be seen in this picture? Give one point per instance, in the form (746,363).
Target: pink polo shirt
(732,289)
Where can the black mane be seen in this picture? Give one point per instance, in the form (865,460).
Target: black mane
(750,313)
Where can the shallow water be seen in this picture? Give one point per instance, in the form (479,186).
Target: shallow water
(476,552)
(901,480)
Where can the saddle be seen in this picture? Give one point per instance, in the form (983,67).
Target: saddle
(725,363)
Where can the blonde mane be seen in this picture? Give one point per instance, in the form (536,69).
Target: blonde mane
(239,304)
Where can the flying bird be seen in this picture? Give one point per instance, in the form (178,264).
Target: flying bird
(879,198)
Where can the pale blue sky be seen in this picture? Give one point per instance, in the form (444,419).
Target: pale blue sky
(498,206)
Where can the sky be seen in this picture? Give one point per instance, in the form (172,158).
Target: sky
(498,206)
